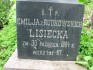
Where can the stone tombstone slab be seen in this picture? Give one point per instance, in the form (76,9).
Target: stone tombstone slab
(49,29)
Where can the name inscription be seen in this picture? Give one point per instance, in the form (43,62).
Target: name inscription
(48,22)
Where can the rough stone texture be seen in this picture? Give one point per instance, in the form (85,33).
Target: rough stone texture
(14,63)
(49,31)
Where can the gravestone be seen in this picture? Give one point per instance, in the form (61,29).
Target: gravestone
(49,29)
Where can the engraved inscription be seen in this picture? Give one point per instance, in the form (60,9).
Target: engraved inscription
(48,30)
(48,33)
(48,22)
(49,53)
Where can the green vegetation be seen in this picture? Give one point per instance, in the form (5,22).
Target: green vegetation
(8,34)
(85,1)
(5,6)
(85,56)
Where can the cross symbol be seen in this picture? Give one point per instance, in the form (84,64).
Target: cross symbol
(50,9)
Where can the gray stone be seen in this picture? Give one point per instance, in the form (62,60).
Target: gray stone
(57,1)
(49,30)
(14,63)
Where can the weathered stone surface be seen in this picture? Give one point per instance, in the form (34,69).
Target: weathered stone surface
(14,63)
(57,1)
(49,30)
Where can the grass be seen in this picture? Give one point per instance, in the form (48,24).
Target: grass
(8,39)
